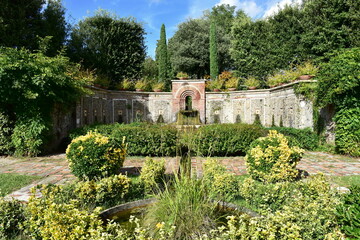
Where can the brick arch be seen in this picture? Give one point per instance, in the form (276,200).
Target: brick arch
(195,96)
(193,88)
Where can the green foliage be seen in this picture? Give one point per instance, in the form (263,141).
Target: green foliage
(339,81)
(150,69)
(252,82)
(225,139)
(47,218)
(189,47)
(142,139)
(257,120)
(305,210)
(11,218)
(305,138)
(348,213)
(111,45)
(152,174)
(23,21)
(6,128)
(293,35)
(162,58)
(214,68)
(31,86)
(223,183)
(347,131)
(95,156)
(54,25)
(339,84)
(187,206)
(265,197)
(106,191)
(270,159)
(306,90)
(29,135)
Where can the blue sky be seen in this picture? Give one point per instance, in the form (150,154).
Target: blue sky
(153,13)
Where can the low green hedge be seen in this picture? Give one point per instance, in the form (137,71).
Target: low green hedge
(303,138)
(159,140)
(142,139)
(225,139)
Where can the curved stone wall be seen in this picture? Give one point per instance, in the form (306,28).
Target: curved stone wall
(106,106)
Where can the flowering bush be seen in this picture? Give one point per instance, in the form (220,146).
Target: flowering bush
(94,155)
(270,159)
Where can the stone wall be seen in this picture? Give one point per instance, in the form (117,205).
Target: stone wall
(106,106)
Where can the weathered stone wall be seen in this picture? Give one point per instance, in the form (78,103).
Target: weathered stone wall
(106,106)
(242,106)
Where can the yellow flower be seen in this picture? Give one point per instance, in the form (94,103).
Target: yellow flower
(159,225)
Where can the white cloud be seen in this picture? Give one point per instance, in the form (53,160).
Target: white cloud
(280,5)
(249,7)
(197,7)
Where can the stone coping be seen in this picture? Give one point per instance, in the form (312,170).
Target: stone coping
(202,80)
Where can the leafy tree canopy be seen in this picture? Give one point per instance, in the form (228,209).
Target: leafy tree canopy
(189,47)
(112,46)
(22,21)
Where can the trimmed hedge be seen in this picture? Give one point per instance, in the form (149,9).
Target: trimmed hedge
(303,138)
(142,139)
(225,139)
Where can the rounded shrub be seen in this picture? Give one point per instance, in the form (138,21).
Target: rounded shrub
(95,156)
(271,159)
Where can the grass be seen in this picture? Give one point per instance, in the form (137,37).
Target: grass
(10,182)
(345,181)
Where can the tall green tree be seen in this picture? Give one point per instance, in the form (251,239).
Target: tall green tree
(54,25)
(162,58)
(214,67)
(113,47)
(294,34)
(330,25)
(22,21)
(189,48)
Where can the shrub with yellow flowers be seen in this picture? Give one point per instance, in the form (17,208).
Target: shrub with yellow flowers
(152,173)
(222,183)
(103,192)
(271,159)
(95,156)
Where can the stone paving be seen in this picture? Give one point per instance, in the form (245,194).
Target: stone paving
(54,169)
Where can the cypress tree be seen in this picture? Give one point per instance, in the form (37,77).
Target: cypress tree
(162,58)
(214,67)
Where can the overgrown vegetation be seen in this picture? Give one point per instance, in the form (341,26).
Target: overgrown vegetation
(32,84)
(339,84)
